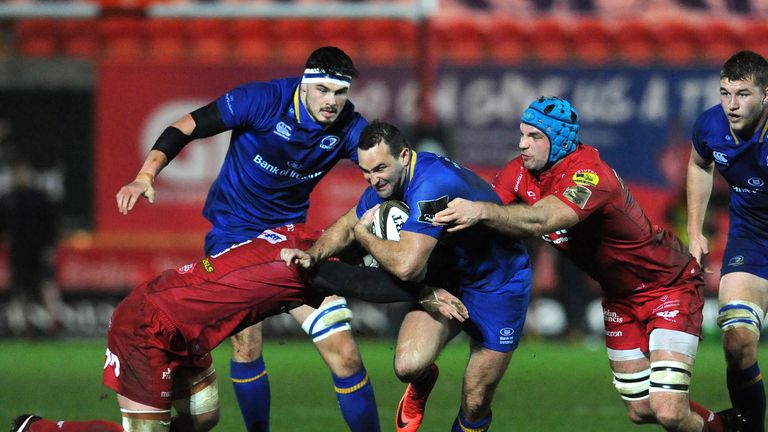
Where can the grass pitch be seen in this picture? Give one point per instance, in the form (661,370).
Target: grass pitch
(548,387)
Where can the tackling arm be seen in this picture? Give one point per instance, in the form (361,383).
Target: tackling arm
(698,191)
(516,220)
(333,240)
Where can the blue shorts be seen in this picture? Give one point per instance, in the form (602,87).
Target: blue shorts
(745,255)
(496,318)
(217,241)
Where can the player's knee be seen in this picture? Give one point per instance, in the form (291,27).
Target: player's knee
(331,318)
(408,367)
(205,422)
(476,405)
(341,354)
(246,345)
(668,416)
(740,346)
(669,377)
(741,322)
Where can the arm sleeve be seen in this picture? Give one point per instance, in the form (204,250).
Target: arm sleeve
(208,121)
(365,283)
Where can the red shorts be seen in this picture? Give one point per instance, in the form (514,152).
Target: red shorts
(629,321)
(145,352)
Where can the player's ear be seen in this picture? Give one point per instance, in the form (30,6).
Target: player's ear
(405,156)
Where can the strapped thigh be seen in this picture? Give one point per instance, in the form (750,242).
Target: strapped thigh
(146,420)
(328,319)
(201,395)
(741,313)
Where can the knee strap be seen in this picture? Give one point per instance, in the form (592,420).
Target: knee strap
(204,400)
(145,420)
(330,318)
(632,386)
(671,376)
(739,313)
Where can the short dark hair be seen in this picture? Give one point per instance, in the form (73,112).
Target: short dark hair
(378,131)
(331,60)
(746,65)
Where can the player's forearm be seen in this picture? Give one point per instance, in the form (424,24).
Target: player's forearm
(514,220)
(698,192)
(407,264)
(334,240)
(154,163)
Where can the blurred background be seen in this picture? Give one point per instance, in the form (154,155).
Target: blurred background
(86,87)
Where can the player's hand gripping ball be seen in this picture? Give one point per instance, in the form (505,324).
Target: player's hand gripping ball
(387,221)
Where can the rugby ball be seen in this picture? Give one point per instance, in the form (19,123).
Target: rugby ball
(387,221)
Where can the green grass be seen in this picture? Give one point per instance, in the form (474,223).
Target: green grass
(548,387)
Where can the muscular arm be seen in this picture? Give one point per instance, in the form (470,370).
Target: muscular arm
(201,123)
(516,220)
(406,259)
(335,238)
(698,190)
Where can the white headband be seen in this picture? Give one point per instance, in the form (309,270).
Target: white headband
(314,76)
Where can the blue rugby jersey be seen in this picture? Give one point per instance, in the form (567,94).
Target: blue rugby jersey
(276,156)
(475,258)
(744,165)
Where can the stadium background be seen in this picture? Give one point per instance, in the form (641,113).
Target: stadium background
(85,87)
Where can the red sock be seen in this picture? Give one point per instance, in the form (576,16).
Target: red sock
(75,426)
(712,421)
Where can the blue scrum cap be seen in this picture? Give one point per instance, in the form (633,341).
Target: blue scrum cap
(559,120)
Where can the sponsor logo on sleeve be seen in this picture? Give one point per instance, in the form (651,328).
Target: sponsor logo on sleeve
(578,195)
(756,182)
(428,209)
(586,178)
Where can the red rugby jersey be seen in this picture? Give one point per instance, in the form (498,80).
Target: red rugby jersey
(614,242)
(211,299)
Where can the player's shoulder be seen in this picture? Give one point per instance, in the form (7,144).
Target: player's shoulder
(281,89)
(587,168)
(713,120)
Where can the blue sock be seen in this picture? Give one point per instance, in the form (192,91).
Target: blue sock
(357,402)
(251,384)
(748,395)
(461,424)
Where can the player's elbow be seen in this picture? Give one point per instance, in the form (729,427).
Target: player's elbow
(409,271)
(537,229)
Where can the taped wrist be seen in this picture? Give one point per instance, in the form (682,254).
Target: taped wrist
(145,177)
(171,141)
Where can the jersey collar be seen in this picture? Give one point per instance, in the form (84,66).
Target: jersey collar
(411,169)
(763,132)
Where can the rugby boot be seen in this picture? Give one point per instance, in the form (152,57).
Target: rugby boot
(410,410)
(732,420)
